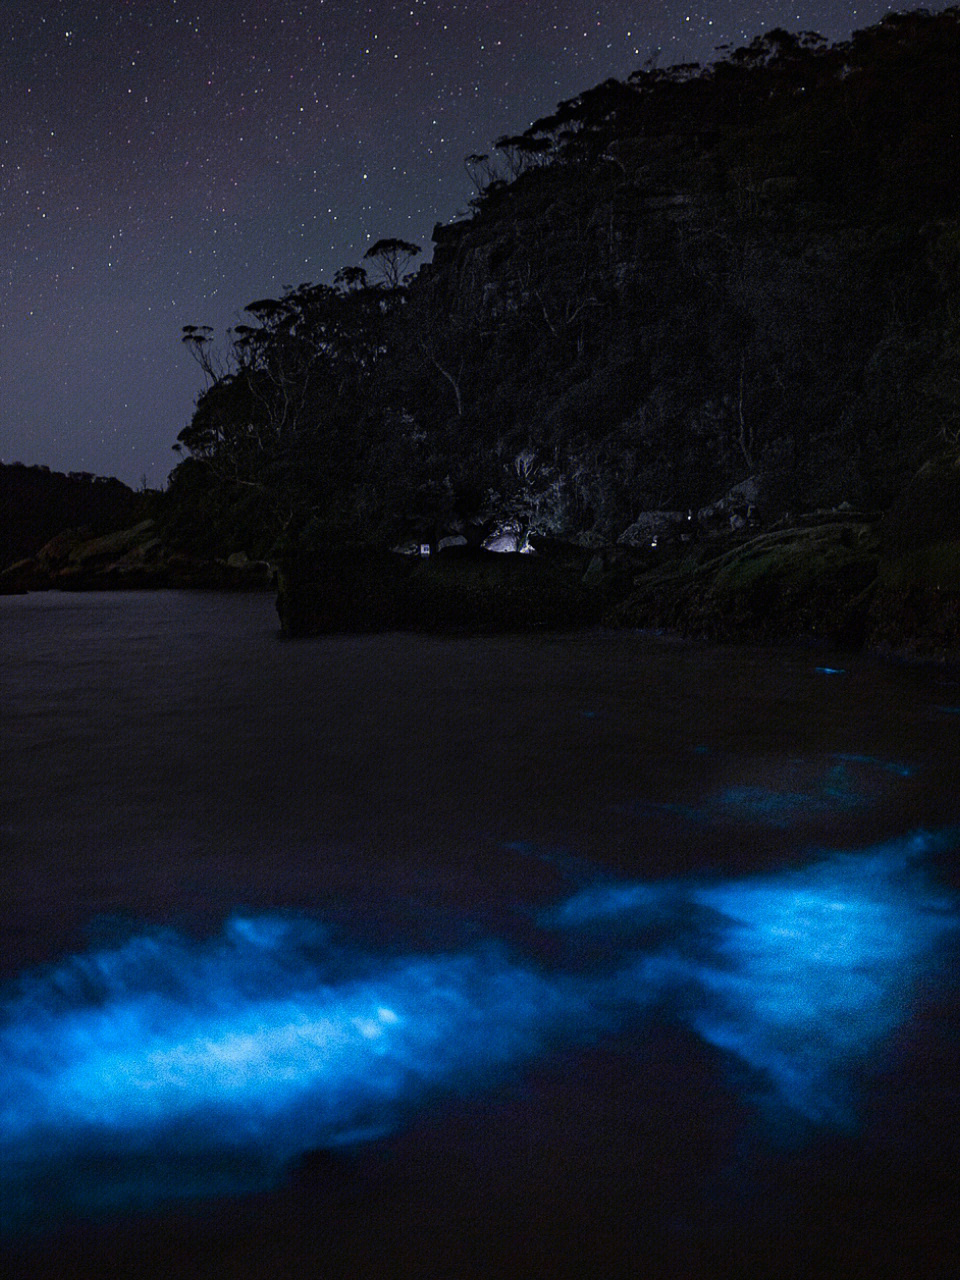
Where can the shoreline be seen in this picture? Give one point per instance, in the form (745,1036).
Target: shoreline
(834,584)
(837,584)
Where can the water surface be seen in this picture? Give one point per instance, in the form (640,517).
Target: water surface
(416,955)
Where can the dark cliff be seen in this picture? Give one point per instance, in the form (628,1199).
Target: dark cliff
(668,286)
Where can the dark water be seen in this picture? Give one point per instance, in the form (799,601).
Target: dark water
(592,955)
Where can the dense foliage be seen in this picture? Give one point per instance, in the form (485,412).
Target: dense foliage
(37,503)
(701,274)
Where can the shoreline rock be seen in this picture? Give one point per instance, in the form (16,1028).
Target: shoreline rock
(830,582)
(888,585)
(128,559)
(482,592)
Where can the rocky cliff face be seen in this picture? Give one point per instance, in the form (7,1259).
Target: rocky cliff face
(654,310)
(730,291)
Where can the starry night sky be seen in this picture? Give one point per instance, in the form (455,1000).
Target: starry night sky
(164,162)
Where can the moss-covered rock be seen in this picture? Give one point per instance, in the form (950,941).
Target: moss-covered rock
(916,607)
(134,558)
(784,584)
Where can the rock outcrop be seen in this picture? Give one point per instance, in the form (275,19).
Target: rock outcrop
(477,591)
(76,560)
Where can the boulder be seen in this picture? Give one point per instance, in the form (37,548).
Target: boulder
(737,509)
(656,528)
(112,545)
(927,512)
(506,537)
(128,558)
(59,549)
(363,591)
(23,576)
(501,542)
(916,609)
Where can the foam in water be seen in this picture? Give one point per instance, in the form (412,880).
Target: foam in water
(225,1058)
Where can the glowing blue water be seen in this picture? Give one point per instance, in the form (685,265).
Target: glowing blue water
(274,1037)
(888,766)
(781,808)
(847,785)
(842,788)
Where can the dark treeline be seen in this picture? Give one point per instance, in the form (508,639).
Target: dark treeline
(37,503)
(670,284)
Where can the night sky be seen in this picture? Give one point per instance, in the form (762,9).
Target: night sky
(164,162)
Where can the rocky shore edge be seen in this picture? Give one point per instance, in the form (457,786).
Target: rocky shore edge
(831,582)
(886,584)
(128,559)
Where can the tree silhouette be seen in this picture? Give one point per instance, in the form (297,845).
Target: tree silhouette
(392,257)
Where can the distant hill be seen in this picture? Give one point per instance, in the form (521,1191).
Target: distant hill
(37,503)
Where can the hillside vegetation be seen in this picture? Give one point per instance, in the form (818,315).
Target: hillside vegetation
(696,341)
(670,284)
(37,503)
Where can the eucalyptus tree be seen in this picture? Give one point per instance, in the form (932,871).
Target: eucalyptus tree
(287,399)
(392,257)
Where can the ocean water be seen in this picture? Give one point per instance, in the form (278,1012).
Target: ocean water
(593,954)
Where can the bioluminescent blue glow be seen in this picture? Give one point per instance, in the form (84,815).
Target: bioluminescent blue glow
(783,808)
(800,975)
(274,1037)
(849,784)
(843,787)
(831,671)
(888,766)
(813,971)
